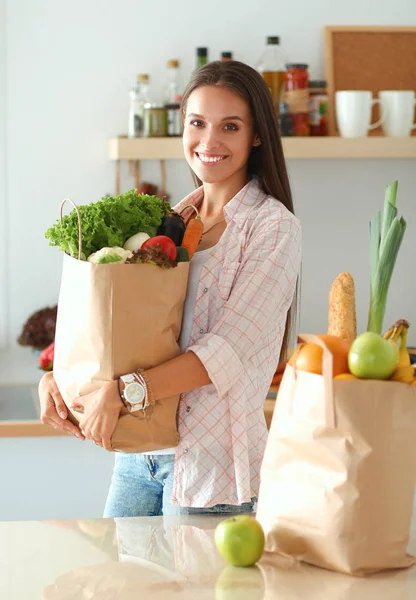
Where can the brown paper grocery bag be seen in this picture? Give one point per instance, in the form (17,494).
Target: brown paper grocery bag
(112,319)
(339,471)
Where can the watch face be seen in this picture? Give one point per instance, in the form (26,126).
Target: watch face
(134,393)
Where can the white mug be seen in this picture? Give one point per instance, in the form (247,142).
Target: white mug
(400,106)
(353,113)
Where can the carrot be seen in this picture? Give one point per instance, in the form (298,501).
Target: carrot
(192,235)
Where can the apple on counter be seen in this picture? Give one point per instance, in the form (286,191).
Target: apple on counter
(240,540)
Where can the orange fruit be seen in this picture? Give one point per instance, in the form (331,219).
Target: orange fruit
(346,376)
(308,357)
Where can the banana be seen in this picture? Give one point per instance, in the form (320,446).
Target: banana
(404,372)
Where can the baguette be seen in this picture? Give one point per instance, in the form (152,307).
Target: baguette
(342,320)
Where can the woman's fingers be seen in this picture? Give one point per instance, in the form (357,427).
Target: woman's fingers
(53,409)
(61,408)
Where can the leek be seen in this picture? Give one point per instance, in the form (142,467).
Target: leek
(385,241)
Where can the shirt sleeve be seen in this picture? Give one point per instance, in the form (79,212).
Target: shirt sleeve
(263,291)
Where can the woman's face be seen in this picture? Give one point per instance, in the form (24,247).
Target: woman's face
(218,134)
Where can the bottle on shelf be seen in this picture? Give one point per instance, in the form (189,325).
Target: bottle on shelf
(172,88)
(285,120)
(139,96)
(318,108)
(225,56)
(272,69)
(172,100)
(201,57)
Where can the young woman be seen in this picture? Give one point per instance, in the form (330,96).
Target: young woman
(236,320)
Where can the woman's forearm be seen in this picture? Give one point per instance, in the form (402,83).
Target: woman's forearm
(177,376)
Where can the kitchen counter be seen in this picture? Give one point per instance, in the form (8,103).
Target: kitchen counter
(164,558)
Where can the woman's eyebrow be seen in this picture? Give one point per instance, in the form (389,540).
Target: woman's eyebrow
(232,118)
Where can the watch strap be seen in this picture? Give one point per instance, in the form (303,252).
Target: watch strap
(145,379)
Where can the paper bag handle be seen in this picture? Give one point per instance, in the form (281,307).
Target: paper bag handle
(309,338)
(79,224)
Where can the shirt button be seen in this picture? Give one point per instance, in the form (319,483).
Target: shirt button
(188,409)
(205,290)
(185,450)
(201,331)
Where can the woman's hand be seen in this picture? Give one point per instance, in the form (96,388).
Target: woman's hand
(53,410)
(101,410)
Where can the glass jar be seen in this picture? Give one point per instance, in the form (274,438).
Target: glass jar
(226,56)
(297,96)
(318,108)
(155,120)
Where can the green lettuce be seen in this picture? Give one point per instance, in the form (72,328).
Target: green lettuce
(108,222)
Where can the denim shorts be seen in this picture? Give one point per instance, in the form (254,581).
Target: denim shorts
(142,484)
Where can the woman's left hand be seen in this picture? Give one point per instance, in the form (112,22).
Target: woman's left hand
(101,410)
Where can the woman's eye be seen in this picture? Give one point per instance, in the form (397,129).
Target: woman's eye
(231,127)
(196,123)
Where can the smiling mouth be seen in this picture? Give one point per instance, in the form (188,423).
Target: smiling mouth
(210,160)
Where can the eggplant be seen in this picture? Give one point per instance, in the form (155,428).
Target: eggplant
(173,226)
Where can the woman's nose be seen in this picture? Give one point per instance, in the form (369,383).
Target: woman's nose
(209,139)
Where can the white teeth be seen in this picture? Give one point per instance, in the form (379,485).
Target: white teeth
(211,159)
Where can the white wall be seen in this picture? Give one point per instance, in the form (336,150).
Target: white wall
(3,189)
(69,67)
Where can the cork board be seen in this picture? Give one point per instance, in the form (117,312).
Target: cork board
(368,58)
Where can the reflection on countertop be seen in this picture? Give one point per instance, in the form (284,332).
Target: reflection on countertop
(166,558)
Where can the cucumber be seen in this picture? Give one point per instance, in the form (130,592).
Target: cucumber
(182,254)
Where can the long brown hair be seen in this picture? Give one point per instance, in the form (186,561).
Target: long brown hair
(266,161)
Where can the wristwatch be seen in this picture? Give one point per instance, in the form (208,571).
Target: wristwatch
(135,391)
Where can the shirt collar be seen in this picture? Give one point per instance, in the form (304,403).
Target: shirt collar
(236,209)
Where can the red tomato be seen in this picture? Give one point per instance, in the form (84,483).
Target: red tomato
(164,242)
(46,357)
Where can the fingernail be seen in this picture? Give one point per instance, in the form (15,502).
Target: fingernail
(62,414)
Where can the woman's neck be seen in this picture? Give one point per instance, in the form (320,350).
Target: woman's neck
(217,195)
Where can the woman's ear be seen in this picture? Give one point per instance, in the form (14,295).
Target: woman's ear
(256,141)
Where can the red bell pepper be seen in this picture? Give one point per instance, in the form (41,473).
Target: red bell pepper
(46,357)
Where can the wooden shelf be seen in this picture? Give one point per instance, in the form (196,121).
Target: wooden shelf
(294,148)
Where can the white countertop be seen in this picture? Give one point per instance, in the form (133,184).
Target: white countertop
(168,558)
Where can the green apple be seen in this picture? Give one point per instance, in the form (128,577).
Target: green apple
(372,357)
(240,540)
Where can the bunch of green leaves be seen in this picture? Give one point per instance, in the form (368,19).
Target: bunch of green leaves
(108,222)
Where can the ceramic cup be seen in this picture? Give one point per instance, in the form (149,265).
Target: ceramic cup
(353,113)
(400,105)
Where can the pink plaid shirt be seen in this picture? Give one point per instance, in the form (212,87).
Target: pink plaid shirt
(245,290)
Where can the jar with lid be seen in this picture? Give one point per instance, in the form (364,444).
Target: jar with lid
(226,56)
(318,108)
(297,96)
(155,120)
